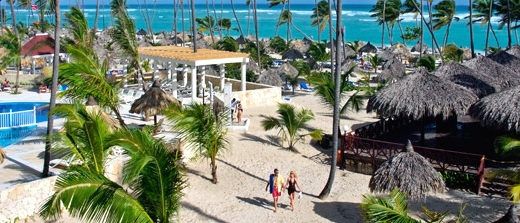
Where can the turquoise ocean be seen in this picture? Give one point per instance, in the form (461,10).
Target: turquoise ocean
(356,20)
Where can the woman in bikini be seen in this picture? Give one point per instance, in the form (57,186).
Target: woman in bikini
(291,184)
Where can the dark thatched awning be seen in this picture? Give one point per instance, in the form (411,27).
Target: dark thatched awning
(368,48)
(292,54)
(500,110)
(480,84)
(142,32)
(270,78)
(409,172)
(507,60)
(241,40)
(153,101)
(393,69)
(421,94)
(514,50)
(508,78)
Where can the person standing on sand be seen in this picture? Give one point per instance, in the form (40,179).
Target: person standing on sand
(291,184)
(240,110)
(276,187)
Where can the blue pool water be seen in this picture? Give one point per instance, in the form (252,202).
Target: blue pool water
(13,135)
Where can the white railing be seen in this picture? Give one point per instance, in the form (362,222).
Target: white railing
(18,119)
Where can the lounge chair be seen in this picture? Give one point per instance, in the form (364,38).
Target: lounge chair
(64,162)
(304,87)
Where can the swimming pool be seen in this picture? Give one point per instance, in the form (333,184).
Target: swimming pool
(12,135)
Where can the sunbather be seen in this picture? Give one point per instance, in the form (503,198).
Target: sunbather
(5,84)
(43,88)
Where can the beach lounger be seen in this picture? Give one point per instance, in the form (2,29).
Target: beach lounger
(64,162)
(304,87)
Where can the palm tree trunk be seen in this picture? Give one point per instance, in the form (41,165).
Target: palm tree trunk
(193,27)
(55,66)
(422,30)
(331,37)
(174,25)
(279,18)
(488,26)
(390,34)
(446,34)
(214,168)
(335,123)
(236,18)
(430,17)
(15,30)
(472,45)
(383,26)
(433,36)
(401,31)
(216,19)
(318,17)
(255,18)
(182,23)
(96,17)
(508,24)
(210,24)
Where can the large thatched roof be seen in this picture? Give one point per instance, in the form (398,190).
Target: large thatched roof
(514,50)
(421,94)
(508,78)
(408,171)
(92,107)
(510,216)
(500,110)
(507,60)
(480,84)
(292,54)
(270,78)
(153,101)
(368,48)
(392,68)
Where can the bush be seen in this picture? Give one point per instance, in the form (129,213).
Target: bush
(458,180)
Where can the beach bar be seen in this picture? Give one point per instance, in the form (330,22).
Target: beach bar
(184,56)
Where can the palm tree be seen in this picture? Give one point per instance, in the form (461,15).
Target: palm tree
(379,10)
(318,51)
(255,20)
(375,60)
(504,10)
(485,9)
(228,44)
(204,130)
(206,24)
(273,3)
(55,66)
(290,123)
(236,18)
(471,43)
(15,45)
(249,7)
(444,16)
(224,24)
(152,172)
(320,16)
(78,25)
(10,41)
(508,146)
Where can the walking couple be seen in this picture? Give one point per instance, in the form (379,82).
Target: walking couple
(277,186)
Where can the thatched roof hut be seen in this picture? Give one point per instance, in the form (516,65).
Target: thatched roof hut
(507,60)
(292,54)
(408,171)
(419,95)
(417,46)
(386,55)
(514,50)
(400,50)
(368,48)
(92,107)
(270,78)
(508,78)
(241,40)
(510,217)
(393,69)
(141,32)
(500,110)
(457,73)
(153,101)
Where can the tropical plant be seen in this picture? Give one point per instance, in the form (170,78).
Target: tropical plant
(290,123)
(320,16)
(152,172)
(375,60)
(77,23)
(386,209)
(228,44)
(10,41)
(485,10)
(206,24)
(278,44)
(273,3)
(427,62)
(453,53)
(508,146)
(233,71)
(412,33)
(387,13)
(236,18)
(224,24)
(444,16)
(203,129)
(318,51)
(252,49)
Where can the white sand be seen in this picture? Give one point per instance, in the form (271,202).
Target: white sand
(243,171)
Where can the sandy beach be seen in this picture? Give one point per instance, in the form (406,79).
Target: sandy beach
(244,169)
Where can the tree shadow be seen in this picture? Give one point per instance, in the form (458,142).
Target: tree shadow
(198,173)
(201,212)
(242,171)
(270,139)
(258,201)
(338,211)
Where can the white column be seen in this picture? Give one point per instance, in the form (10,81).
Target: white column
(194,83)
(222,76)
(155,70)
(227,101)
(33,66)
(185,75)
(202,84)
(169,69)
(243,76)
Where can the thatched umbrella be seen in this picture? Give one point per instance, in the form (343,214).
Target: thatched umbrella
(400,50)
(386,55)
(270,78)
(153,101)
(418,46)
(514,50)
(368,48)
(408,171)
(141,32)
(477,82)
(500,110)
(92,107)
(241,40)
(510,216)
(421,95)
(508,78)
(392,68)
(507,60)
(292,54)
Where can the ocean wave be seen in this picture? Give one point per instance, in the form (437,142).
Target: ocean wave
(367,20)
(355,13)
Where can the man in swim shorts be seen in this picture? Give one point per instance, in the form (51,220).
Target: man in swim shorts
(276,188)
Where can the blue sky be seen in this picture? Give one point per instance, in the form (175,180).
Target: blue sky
(371,2)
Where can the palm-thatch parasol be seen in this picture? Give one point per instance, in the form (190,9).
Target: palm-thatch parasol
(510,216)
(270,78)
(141,32)
(392,68)
(477,82)
(408,171)
(418,46)
(292,54)
(386,55)
(489,67)
(419,95)
(92,107)
(241,40)
(507,60)
(500,110)
(400,50)
(368,48)
(153,101)
(514,50)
